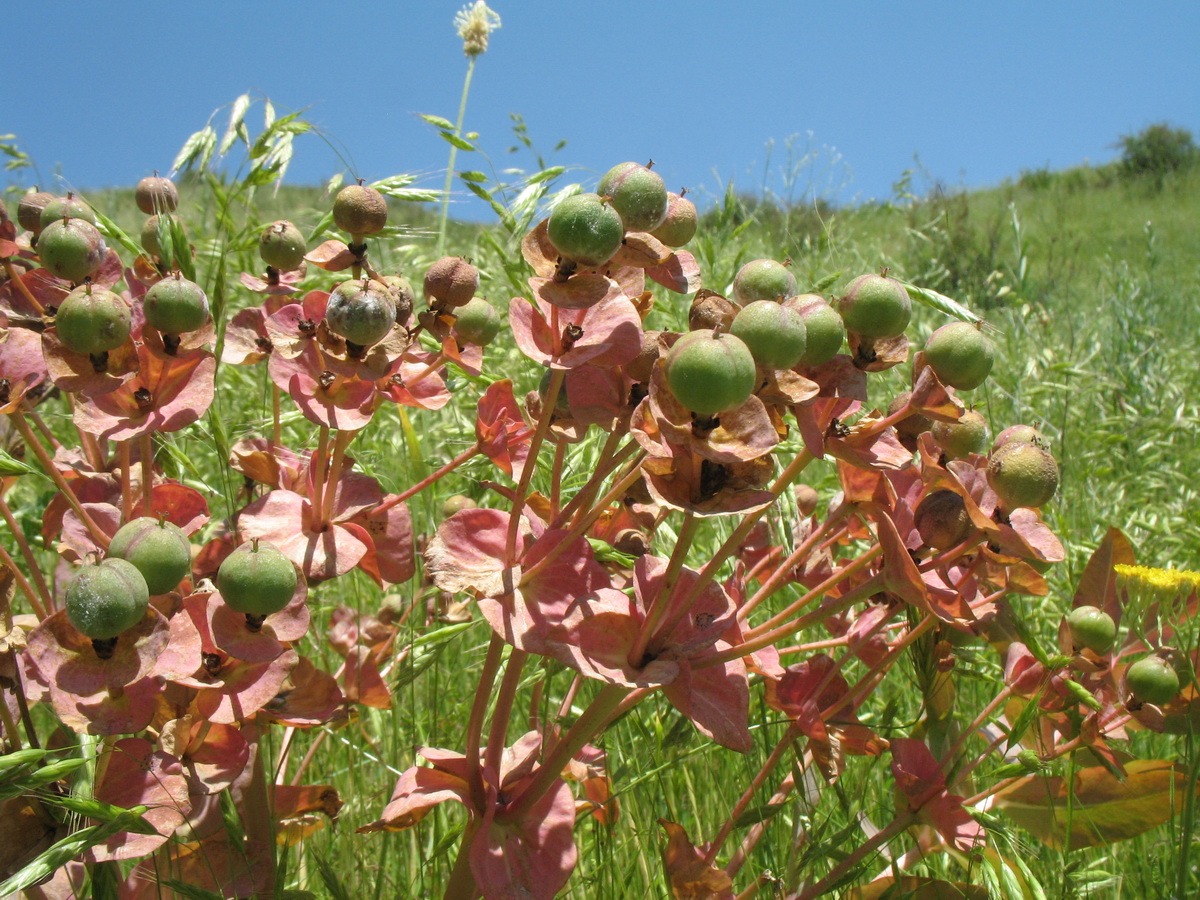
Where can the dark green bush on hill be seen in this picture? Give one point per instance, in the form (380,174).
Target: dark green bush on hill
(1157,150)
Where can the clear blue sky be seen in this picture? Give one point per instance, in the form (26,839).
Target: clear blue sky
(107,92)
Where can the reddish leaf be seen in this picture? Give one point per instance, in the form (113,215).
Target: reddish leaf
(469,553)
(1103,809)
(923,784)
(716,699)
(332,256)
(310,696)
(362,681)
(501,430)
(419,790)
(581,291)
(679,273)
(690,877)
(137,774)
(1098,583)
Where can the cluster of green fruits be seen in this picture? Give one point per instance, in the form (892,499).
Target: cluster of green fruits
(151,556)
(1150,679)
(588,229)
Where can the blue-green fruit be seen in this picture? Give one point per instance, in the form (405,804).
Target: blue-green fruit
(175,305)
(257,579)
(763,279)
(638,195)
(585,229)
(105,599)
(960,354)
(362,311)
(823,328)
(774,333)
(875,306)
(93,320)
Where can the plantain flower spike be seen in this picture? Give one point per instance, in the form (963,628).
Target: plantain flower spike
(474,24)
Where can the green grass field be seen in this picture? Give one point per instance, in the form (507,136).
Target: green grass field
(1089,282)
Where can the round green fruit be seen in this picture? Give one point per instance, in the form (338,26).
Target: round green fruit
(105,599)
(155,194)
(960,354)
(257,579)
(477,322)
(360,210)
(585,229)
(175,305)
(158,549)
(710,373)
(452,281)
(774,333)
(71,249)
(1092,628)
(1022,475)
(763,279)
(638,195)
(362,311)
(823,327)
(29,210)
(93,320)
(456,503)
(281,246)
(68,207)
(1152,680)
(962,438)
(875,306)
(679,226)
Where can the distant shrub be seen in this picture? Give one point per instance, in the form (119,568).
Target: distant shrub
(1036,179)
(1157,150)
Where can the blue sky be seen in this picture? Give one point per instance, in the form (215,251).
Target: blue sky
(966,92)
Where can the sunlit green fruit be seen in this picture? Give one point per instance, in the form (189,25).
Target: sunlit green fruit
(1020,434)
(257,579)
(1092,628)
(158,549)
(452,281)
(774,333)
(679,226)
(105,599)
(175,305)
(960,354)
(477,322)
(1152,680)
(71,249)
(362,311)
(638,195)
(763,279)
(585,229)
(281,246)
(68,207)
(1023,475)
(942,520)
(29,210)
(93,320)
(710,373)
(456,503)
(962,438)
(360,210)
(155,194)
(875,306)
(823,327)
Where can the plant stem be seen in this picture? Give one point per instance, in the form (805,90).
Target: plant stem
(535,444)
(429,480)
(340,443)
(859,853)
(502,712)
(23,288)
(461,885)
(662,601)
(30,561)
(591,723)
(785,743)
(56,476)
(147,474)
(462,111)
(483,694)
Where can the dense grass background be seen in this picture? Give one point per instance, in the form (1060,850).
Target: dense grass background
(1090,282)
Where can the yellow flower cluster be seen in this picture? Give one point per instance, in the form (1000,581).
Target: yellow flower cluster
(1164,581)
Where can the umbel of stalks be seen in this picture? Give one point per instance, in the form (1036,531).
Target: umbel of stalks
(360,210)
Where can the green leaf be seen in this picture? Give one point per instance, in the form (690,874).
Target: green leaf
(826,282)
(547,174)
(13,763)
(113,231)
(757,814)
(198,147)
(236,116)
(190,890)
(1082,694)
(452,138)
(479,177)
(10,467)
(329,876)
(1103,809)
(498,208)
(915,887)
(181,253)
(104,813)
(942,303)
(44,865)
(437,121)
(441,634)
